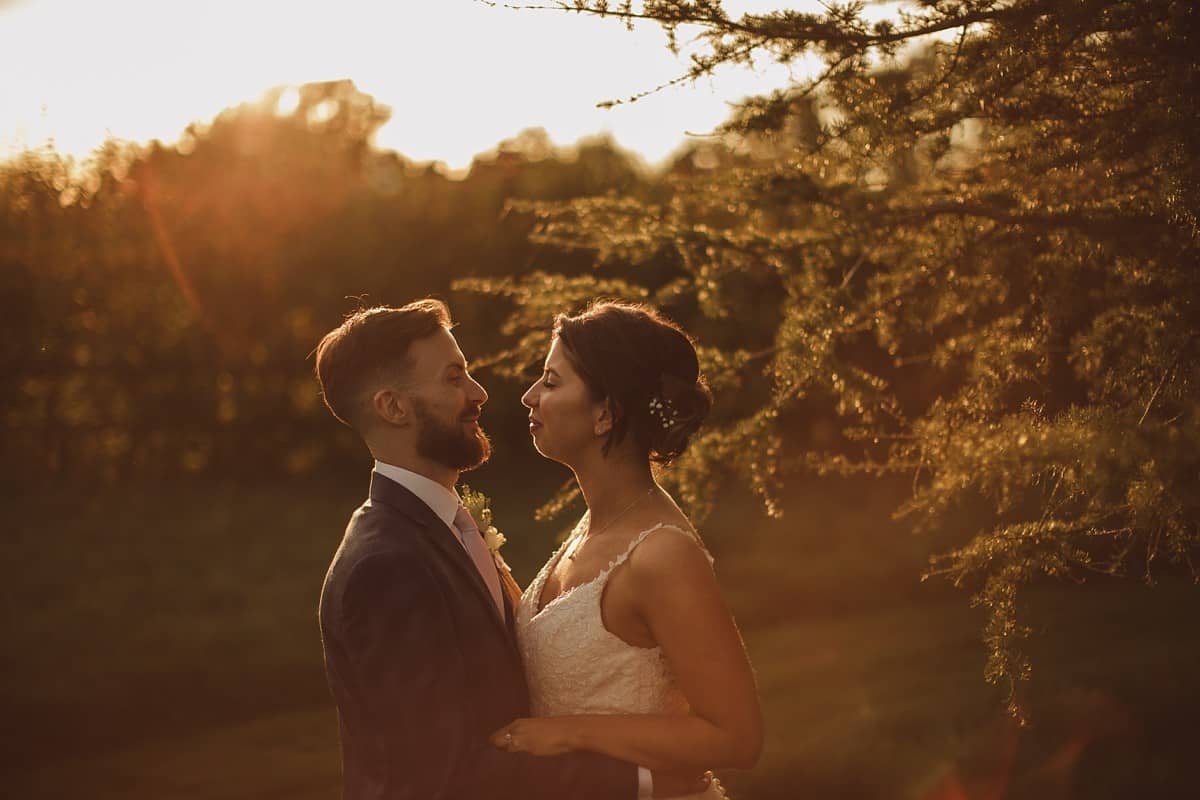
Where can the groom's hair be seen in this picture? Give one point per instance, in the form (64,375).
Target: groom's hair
(370,349)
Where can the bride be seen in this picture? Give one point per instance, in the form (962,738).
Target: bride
(628,645)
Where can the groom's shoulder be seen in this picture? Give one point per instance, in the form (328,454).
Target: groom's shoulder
(378,529)
(377,540)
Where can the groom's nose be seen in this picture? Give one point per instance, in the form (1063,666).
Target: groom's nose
(479,395)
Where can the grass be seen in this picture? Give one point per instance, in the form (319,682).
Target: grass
(163,645)
(890,703)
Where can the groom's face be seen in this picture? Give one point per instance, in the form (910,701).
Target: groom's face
(446,402)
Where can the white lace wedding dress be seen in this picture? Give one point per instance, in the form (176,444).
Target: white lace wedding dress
(576,666)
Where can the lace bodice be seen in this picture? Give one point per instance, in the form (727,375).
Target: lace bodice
(575,665)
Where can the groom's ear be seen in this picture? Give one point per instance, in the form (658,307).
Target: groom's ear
(391,406)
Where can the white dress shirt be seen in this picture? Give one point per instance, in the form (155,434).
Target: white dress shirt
(442,502)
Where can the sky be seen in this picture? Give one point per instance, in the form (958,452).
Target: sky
(460,76)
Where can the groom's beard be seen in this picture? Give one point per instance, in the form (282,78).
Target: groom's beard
(454,446)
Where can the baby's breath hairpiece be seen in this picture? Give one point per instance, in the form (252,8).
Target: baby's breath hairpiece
(663,411)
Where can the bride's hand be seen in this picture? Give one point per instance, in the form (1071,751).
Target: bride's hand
(543,736)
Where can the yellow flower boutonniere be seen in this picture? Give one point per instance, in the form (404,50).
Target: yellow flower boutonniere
(477,504)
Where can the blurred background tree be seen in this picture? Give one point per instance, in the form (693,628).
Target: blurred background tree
(161,303)
(969,259)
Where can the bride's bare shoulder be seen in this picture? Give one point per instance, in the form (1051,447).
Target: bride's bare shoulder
(670,548)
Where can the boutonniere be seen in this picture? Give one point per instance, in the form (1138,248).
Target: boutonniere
(478,504)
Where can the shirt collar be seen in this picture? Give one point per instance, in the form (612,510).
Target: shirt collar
(442,501)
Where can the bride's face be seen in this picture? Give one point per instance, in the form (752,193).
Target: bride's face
(564,418)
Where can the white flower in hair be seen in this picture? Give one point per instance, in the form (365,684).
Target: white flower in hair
(663,411)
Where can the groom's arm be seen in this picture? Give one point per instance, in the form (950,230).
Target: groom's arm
(417,675)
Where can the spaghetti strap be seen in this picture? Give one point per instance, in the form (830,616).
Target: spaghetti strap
(600,578)
(641,537)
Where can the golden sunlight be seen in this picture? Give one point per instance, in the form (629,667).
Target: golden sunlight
(459,76)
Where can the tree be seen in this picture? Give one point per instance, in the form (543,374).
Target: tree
(160,303)
(972,238)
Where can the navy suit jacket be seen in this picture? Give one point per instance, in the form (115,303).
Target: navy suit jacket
(423,670)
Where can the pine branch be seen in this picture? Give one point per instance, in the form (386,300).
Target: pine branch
(1166,376)
(1094,221)
(799,27)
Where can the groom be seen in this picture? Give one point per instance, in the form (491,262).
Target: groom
(420,649)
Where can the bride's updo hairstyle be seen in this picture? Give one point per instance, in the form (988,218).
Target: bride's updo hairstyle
(646,367)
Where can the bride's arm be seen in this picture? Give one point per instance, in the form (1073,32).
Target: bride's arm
(678,598)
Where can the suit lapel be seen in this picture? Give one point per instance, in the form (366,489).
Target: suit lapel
(441,538)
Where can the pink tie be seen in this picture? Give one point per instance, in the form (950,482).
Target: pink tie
(479,553)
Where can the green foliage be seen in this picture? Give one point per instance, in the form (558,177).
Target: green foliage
(159,305)
(975,256)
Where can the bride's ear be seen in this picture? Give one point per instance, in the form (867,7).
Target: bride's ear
(604,419)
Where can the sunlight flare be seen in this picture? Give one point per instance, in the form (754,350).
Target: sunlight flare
(460,76)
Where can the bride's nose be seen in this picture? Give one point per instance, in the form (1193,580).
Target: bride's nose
(529,399)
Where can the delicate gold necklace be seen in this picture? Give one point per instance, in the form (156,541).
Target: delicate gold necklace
(590,533)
